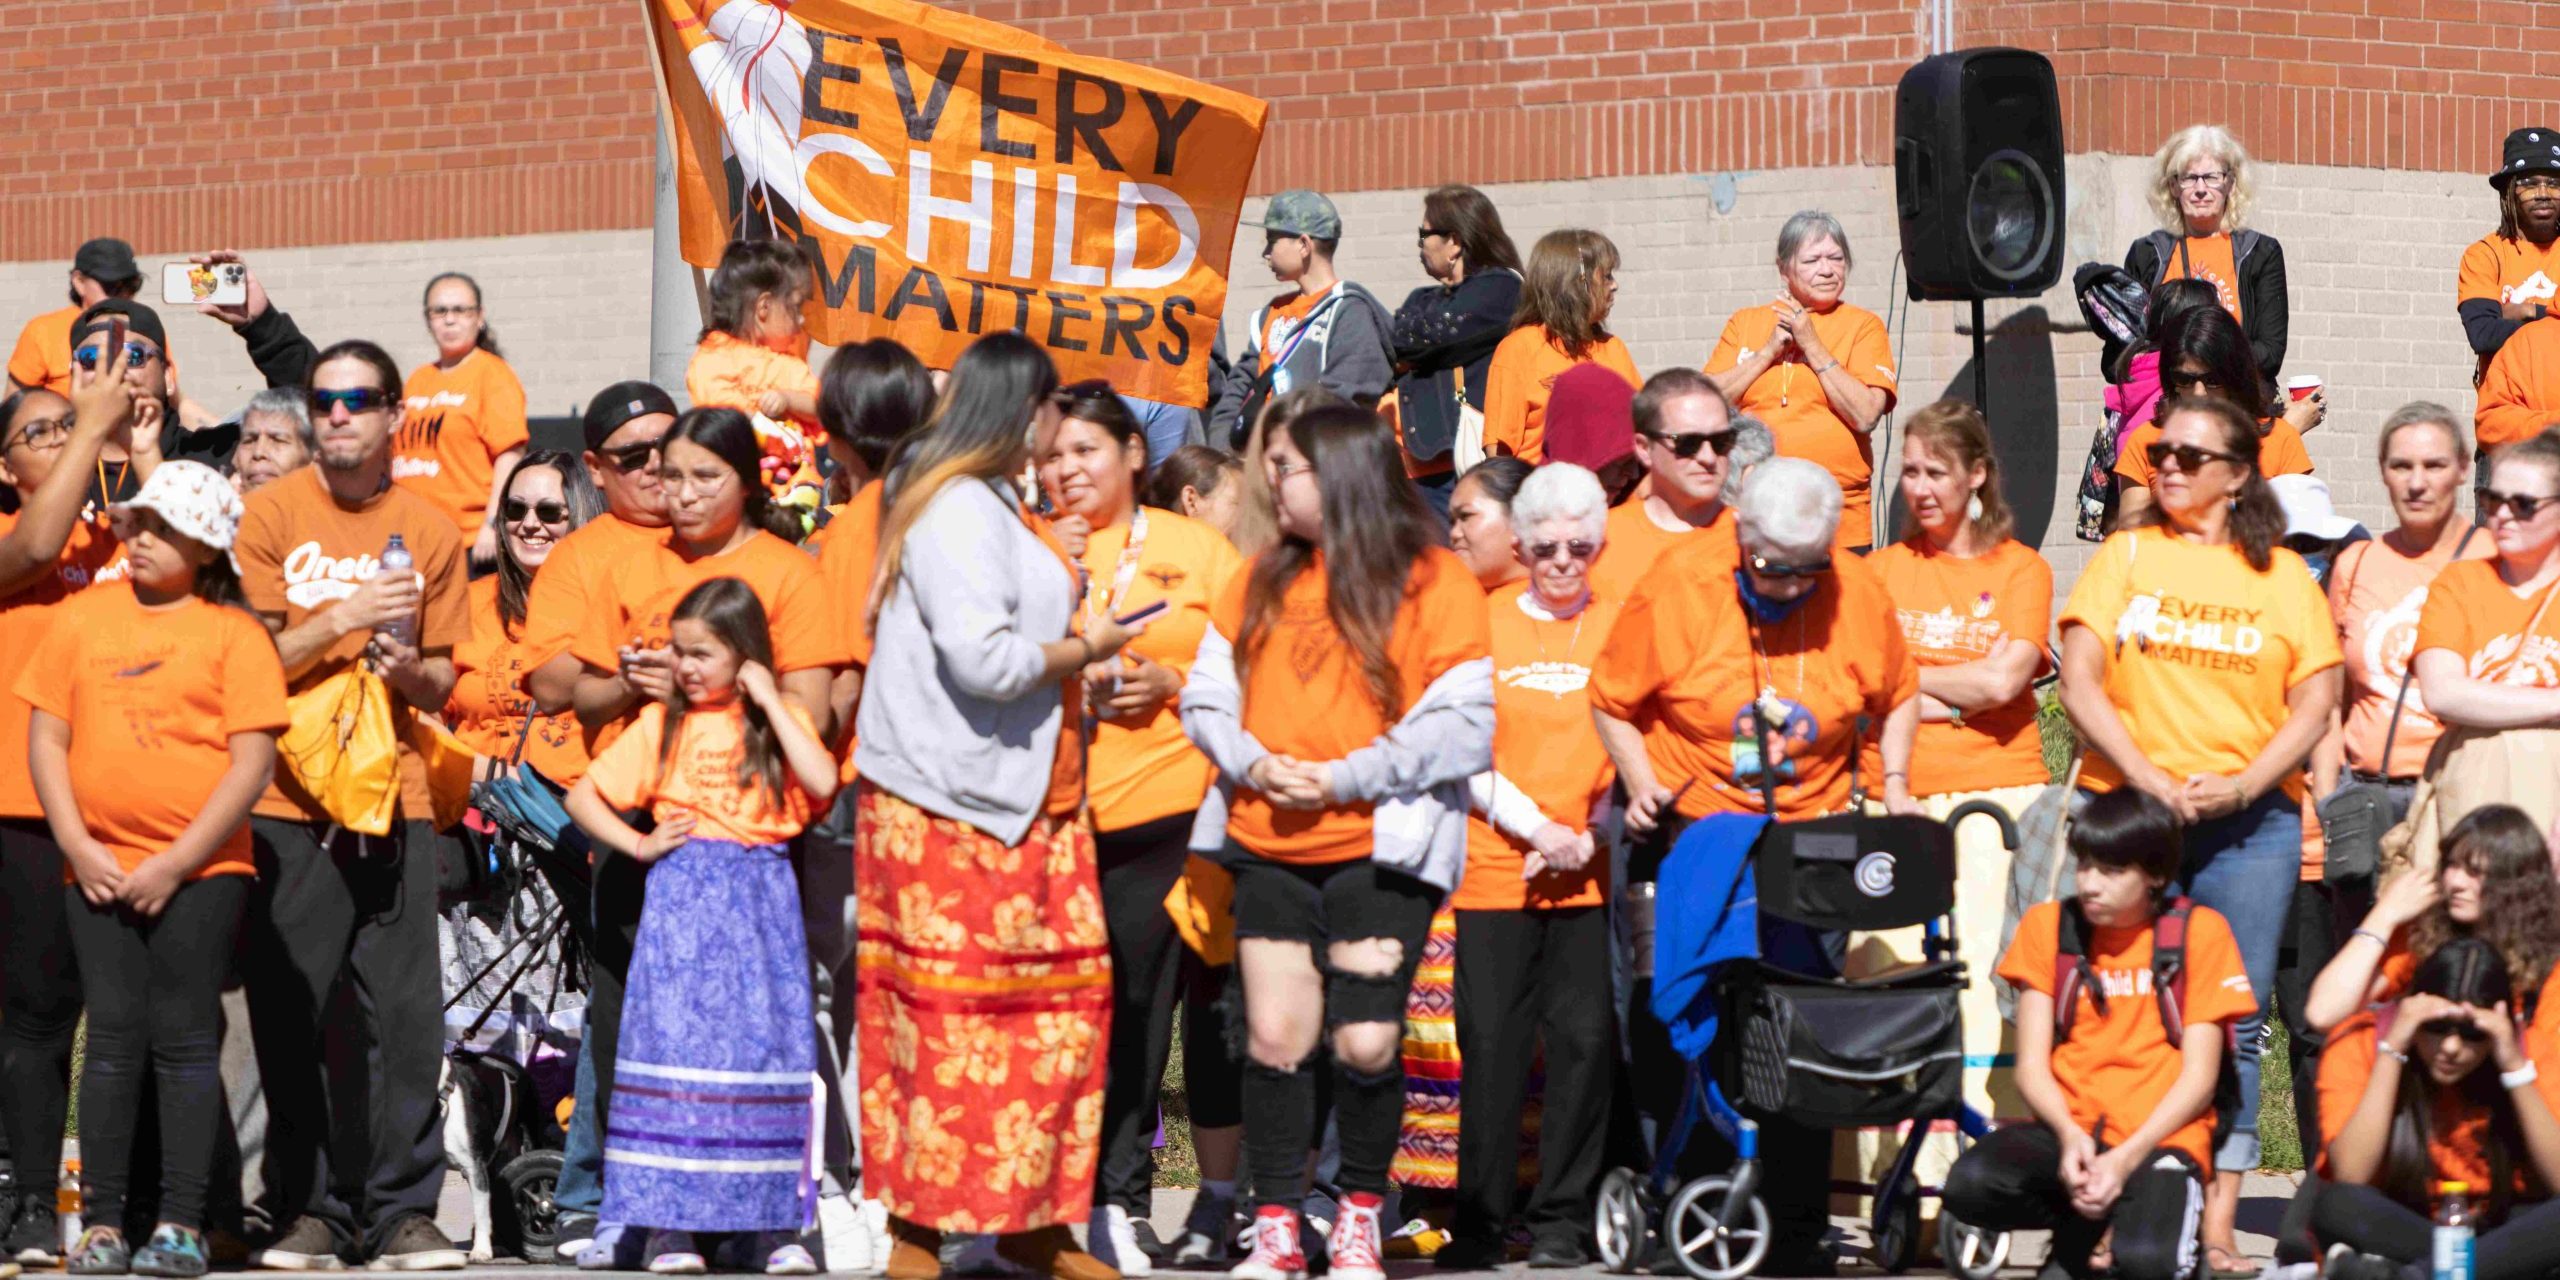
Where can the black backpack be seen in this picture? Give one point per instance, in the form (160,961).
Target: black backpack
(2072,974)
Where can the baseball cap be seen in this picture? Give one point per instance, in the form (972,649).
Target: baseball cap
(2307,509)
(139,320)
(193,499)
(620,403)
(107,260)
(1300,212)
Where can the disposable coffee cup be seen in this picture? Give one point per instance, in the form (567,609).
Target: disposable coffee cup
(2302,386)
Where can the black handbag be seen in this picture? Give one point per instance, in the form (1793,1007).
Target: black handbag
(2354,817)
(1845,1055)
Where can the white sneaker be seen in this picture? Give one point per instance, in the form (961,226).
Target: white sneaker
(1357,1245)
(1114,1243)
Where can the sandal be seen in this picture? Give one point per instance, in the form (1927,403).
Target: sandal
(2228,1264)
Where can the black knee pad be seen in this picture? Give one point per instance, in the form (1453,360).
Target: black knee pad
(2156,1220)
(1364,997)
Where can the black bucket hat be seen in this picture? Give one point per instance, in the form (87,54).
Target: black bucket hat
(2529,150)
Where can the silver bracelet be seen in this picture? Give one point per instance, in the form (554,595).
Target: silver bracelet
(2400,1056)
(2378,939)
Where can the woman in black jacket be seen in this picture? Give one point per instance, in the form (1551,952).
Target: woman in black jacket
(2202,189)
(1446,331)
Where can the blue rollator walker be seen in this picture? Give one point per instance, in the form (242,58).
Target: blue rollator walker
(1820,1051)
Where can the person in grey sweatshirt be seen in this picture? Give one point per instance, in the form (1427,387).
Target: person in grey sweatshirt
(1330,332)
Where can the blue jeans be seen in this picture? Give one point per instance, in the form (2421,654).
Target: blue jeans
(581,1187)
(2245,866)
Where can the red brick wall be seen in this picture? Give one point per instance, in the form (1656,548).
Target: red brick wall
(195,123)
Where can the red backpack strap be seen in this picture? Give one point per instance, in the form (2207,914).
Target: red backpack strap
(2169,966)
(2071,972)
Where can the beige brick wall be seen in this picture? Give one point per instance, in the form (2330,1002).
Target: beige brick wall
(571,310)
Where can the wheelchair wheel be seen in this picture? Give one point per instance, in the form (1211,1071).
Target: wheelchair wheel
(1897,1233)
(1707,1249)
(1621,1221)
(1971,1252)
(529,1221)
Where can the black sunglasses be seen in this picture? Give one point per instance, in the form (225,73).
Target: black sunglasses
(356,399)
(1422,234)
(627,458)
(547,511)
(2524,505)
(1080,392)
(2469,1031)
(1578,549)
(1809,569)
(1687,446)
(2190,458)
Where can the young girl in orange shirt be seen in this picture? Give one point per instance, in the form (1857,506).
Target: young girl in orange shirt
(730,772)
(754,357)
(155,712)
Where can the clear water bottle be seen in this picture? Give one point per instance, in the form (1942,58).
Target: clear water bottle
(2453,1231)
(396,560)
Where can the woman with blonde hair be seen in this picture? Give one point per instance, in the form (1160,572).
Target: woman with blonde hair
(1563,321)
(2202,186)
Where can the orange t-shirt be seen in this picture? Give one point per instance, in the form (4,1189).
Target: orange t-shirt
(2520,390)
(2118,1066)
(1789,399)
(1304,695)
(2503,271)
(1686,665)
(1523,374)
(455,425)
(1280,321)
(846,558)
(42,357)
(86,559)
(2376,594)
(1635,540)
(701,776)
(489,706)
(2458,1134)
(2203,649)
(729,372)
(152,697)
(300,551)
(2212,260)
(1955,611)
(1544,744)
(2280,452)
(1141,771)
(576,572)
(2473,612)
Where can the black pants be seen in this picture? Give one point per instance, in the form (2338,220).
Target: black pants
(154,991)
(1523,977)
(2012,1181)
(41,1006)
(2310,939)
(1139,866)
(344,1005)
(2524,1247)
(1212,1043)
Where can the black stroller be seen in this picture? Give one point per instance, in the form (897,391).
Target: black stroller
(1826,1052)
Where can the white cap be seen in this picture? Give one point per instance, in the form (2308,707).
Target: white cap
(193,499)
(2307,508)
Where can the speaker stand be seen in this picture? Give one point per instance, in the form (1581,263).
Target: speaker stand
(1981,370)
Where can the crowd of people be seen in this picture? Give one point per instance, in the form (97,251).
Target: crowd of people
(932,743)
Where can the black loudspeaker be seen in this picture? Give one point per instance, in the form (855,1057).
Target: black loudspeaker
(1977,175)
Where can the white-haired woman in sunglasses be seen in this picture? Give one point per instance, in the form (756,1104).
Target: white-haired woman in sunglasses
(2200,664)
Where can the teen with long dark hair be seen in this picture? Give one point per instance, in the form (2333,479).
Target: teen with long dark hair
(2202,353)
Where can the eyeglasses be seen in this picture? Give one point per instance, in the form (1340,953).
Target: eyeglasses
(2215,178)
(136,355)
(627,458)
(356,399)
(1423,235)
(2535,182)
(1809,569)
(1283,471)
(451,313)
(2524,506)
(40,434)
(1577,549)
(2190,458)
(1687,446)
(2470,1032)
(547,511)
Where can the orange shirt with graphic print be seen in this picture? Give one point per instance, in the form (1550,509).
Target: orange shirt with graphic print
(2473,612)
(1281,320)
(1544,747)
(846,558)
(1304,695)
(300,552)
(2202,649)
(454,425)
(1523,374)
(1636,542)
(1686,664)
(24,618)
(2280,452)
(2376,595)
(700,776)
(489,707)
(1143,770)
(152,697)
(2118,1065)
(1955,610)
(1789,399)
(2520,390)
(578,569)
(2210,259)
(2497,269)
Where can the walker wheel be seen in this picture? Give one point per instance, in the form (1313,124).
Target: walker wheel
(1972,1253)
(1621,1222)
(1897,1232)
(1707,1249)
(529,1220)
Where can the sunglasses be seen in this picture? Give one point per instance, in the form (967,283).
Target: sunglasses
(547,511)
(136,355)
(2524,505)
(2455,1027)
(356,399)
(627,458)
(1080,392)
(41,433)
(2190,458)
(1810,569)
(1422,235)
(1687,446)
(1576,549)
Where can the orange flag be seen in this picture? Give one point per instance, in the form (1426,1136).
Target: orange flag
(953,176)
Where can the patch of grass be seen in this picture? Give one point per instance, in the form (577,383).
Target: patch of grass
(2279,1138)
(2060,743)
(1177,1165)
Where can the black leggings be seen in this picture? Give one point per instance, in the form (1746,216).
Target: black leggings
(41,1007)
(1139,866)
(2524,1246)
(154,989)
(2012,1181)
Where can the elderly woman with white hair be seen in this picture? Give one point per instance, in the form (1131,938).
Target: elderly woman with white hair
(1745,683)
(1818,371)
(2202,185)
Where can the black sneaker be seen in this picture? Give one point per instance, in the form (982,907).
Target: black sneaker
(1148,1242)
(1557,1253)
(305,1244)
(36,1237)
(577,1231)
(417,1245)
(1470,1253)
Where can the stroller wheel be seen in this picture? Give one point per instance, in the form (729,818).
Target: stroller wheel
(524,1188)
(1620,1221)
(1971,1252)
(1897,1232)
(1707,1248)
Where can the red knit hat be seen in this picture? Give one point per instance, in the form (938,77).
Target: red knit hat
(1590,417)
